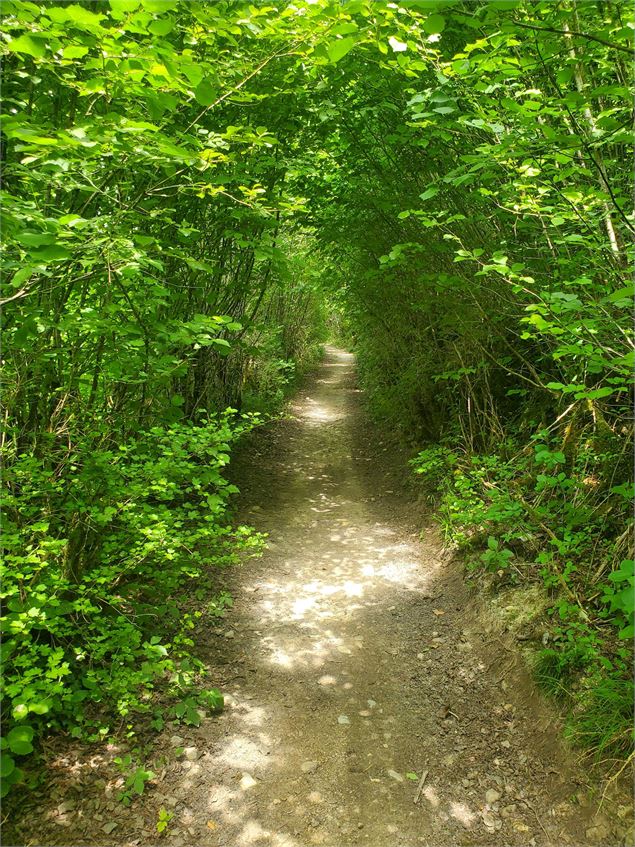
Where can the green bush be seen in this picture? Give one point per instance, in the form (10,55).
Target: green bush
(95,552)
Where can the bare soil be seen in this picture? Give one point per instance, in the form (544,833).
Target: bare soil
(367,701)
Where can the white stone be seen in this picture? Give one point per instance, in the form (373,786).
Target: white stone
(247,781)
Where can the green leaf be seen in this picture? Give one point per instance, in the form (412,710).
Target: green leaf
(625,490)
(159,6)
(19,740)
(625,293)
(162,27)
(205,93)
(35,239)
(28,45)
(140,778)
(77,16)
(53,253)
(212,699)
(16,775)
(20,711)
(626,571)
(429,193)
(595,393)
(336,50)
(434,24)
(7,765)
(124,6)
(74,51)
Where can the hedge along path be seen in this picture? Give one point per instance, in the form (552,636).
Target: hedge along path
(361,665)
(366,703)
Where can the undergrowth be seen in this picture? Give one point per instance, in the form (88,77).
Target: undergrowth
(98,548)
(534,515)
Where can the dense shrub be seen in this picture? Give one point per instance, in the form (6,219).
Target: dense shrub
(96,550)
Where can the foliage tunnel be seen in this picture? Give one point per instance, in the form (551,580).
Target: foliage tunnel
(195,196)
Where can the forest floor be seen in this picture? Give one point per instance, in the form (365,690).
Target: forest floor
(354,658)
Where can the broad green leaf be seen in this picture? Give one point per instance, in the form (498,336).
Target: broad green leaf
(434,24)
(14,776)
(52,253)
(7,765)
(596,393)
(74,51)
(159,6)
(162,26)
(625,293)
(336,50)
(19,711)
(205,93)
(19,740)
(76,15)
(35,239)
(28,45)
(124,6)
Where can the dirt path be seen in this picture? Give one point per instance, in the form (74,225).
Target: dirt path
(353,659)
(358,666)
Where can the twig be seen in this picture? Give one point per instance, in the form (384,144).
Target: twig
(528,804)
(424,776)
(23,292)
(571,32)
(279,54)
(615,777)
